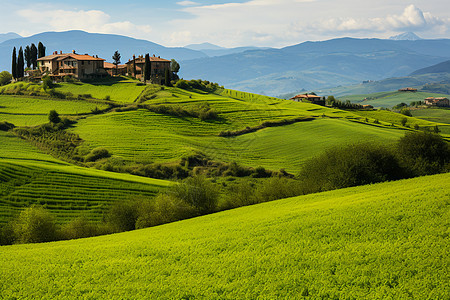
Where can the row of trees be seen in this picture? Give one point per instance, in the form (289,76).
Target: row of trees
(29,56)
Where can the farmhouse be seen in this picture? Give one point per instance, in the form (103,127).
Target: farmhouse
(81,66)
(158,67)
(408,89)
(439,101)
(314,99)
(111,69)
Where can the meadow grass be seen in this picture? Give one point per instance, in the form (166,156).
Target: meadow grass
(382,241)
(118,89)
(30,111)
(389,99)
(438,115)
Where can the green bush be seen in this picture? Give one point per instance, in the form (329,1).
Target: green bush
(5,77)
(34,225)
(122,216)
(163,209)
(352,165)
(96,154)
(79,228)
(5,126)
(47,83)
(423,153)
(198,192)
(53,117)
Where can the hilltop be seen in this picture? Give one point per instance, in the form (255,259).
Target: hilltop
(329,245)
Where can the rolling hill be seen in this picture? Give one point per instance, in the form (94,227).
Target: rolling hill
(315,65)
(443,67)
(333,245)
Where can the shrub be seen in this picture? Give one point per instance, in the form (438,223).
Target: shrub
(405,111)
(6,234)
(79,228)
(352,165)
(423,153)
(5,77)
(122,216)
(35,225)
(53,117)
(47,83)
(277,188)
(198,192)
(163,209)
(96,154)
(5,126)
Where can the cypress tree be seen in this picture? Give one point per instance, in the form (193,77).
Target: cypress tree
(34,55)
(147,68)
(27,53)
(14,64)
(20,63)
(167,78)
(41,50)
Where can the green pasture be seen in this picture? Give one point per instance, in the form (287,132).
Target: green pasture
(438,115)
(389,99)
(143,135)
(118,89)
(382,241)
(30,111)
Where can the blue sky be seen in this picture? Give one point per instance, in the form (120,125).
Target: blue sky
(272,23)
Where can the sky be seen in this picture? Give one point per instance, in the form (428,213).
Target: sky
(265,23)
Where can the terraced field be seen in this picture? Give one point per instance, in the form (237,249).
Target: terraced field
(439,115)
(28,176)
(389,99)
(382,241)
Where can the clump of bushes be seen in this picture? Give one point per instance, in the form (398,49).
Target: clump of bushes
(202,111)
(96,154)
(5,126)
(202,85)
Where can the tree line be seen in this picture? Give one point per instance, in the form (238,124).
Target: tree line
(28,57)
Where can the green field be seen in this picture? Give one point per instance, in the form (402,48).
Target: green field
(118,89)
(389,99)
(28,176)
(439,115)
(382,241)
(29,111)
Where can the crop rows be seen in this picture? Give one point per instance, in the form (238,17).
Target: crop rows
(65,193)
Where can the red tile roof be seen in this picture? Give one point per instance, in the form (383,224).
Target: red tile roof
(71,55)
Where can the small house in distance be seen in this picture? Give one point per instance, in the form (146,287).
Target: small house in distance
(112,70)
(439,101)
(309,98)
(81,66)
(408,89)
(158,67)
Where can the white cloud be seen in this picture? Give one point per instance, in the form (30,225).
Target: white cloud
(90,20)
(283,22)
(187,3)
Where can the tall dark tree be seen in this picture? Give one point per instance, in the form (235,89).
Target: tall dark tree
(174,66)
(27,53)
(14,64)
(147,68)
(116,59)
(20,63)
(34,55)
(41,50)
(167,78)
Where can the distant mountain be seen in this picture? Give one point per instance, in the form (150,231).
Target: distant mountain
(203,46)
(213,50)
(8,36)
(443,67)
(406,36)
(315,65)
(103,45)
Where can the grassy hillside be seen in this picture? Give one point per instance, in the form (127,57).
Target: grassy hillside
(28,176)
(439,115)
(389,99)
(383,241)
